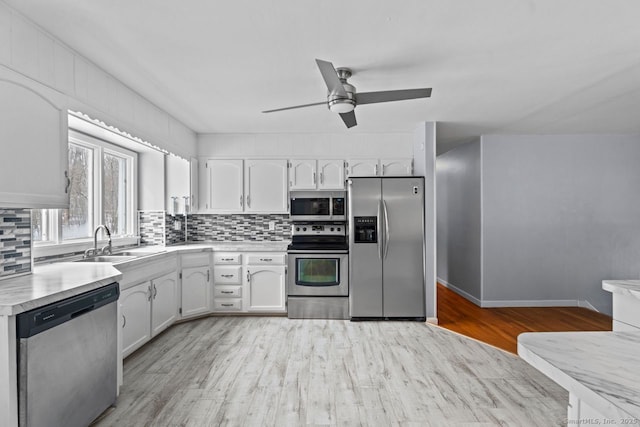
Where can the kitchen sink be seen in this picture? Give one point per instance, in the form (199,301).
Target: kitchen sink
(139,253)
(108,258)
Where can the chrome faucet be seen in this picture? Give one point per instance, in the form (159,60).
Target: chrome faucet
(95,251)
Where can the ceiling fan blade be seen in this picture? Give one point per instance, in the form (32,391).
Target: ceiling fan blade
(296,106)
(349,119)
(330,76)
(391,95)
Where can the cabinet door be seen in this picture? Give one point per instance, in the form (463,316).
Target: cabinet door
(331,174)
(224,184)
(362,167)
(396,167)
(265,288)
(135,306)
(164,302)
(302,175)
(266,186)
(34,160)
(196,291)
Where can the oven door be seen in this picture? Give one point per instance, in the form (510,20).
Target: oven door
(318,274)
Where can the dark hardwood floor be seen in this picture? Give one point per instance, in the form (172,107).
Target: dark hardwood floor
(500,327)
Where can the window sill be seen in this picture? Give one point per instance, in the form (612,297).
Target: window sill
(46,250)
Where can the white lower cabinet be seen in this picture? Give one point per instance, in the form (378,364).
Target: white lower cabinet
(148,301)
(135,309)
(266,288)
(249,282)
(195,280)
(164,307)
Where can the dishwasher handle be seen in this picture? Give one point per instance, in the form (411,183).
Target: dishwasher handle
(40,319)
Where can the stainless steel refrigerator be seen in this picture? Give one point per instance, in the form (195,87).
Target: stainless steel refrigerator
(386,248)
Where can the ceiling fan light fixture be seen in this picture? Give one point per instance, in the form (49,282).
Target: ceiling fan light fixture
(342,105)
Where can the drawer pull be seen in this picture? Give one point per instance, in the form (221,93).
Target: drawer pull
(266,259)
(227,275)
(226,292)
(226,259)
(227,305)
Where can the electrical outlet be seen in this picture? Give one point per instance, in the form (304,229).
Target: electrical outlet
(272,225)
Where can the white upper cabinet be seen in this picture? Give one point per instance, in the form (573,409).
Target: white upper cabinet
(265,186)
(396,167)
(302,174)
(305,174)
(379,167)
(362,167)
(177,184)
(34,138)
(223,189)
(244,186)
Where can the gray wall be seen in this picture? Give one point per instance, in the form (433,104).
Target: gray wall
(424,159)
(560,214)
(458,174)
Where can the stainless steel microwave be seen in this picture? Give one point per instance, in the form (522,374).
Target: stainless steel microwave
(318,206)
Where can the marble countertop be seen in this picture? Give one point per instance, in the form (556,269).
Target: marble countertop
(600,368)
(624,287)
(53,282)
(56,281)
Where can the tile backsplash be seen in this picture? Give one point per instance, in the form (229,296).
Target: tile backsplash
(151,227)
(237,227)
(15,242)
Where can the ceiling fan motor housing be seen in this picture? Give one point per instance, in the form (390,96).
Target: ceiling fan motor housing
(338,103)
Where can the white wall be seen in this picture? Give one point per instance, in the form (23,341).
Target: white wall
(424,155)
(311,145)
(459,219)
(559,214)
(29,51)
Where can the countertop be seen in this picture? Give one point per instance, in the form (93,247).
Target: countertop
(600,368)
(53,282)
(56,281)
(623,287)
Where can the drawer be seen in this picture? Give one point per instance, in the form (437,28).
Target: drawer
(266,258)
(227,258)
(227,291)
(227,304)
(227,275)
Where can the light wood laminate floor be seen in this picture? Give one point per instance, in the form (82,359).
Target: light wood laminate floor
(274,371)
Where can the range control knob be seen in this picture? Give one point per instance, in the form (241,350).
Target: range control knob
(331,228)
(339,228)
(304,228)
(297,228)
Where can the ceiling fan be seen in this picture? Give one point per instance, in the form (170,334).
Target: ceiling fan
(342,97)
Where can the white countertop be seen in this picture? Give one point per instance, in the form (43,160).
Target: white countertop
(623,287)
(51,283)
(600,368)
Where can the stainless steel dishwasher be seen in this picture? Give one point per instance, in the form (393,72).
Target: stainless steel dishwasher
(67,360)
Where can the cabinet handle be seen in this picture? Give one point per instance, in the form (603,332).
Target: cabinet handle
(382,170)
(241,200)
(248,276)
(227,305)
(376,171)
(248,201)
(124,321)
(314,178)
(227,275)
(226,292)
(150,293)
(208,271)
(155,291)
(66,187)
(321,177)
(226,259)
(266,259)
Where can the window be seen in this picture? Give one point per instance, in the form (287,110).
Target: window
(101,192)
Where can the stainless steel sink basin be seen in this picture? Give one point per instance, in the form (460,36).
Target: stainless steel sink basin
(108,258)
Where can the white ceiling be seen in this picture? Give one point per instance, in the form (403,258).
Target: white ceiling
(495,66)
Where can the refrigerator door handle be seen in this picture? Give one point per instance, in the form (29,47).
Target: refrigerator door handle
(386,229)
(379,228)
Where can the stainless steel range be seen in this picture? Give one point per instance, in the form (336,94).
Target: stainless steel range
(318,279)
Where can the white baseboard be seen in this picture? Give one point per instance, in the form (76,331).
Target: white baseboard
(517,303)
(432,320)
(460,292)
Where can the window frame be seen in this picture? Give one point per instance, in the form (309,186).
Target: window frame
(57,245)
